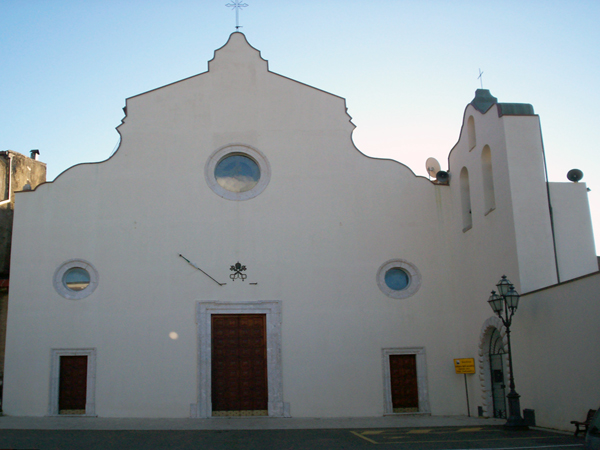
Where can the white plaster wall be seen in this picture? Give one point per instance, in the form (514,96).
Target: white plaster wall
(484,253)
(313,239)
(516,236)
(529,198)
(573,230)
(554,336)
(554,355)
(488,247)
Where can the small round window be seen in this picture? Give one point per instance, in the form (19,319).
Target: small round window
(237,172)
(398,278)
(75,279)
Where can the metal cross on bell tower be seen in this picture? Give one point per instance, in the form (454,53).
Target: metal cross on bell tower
(480,77)
(237,5)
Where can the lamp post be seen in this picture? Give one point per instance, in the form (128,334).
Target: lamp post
(506,301)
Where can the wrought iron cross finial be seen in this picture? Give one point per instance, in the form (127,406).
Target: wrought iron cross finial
(237,5)
(480,77)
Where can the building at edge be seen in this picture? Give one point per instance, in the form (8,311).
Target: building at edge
(239,256)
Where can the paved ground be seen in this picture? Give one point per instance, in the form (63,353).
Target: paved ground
(245,423)
(397,433)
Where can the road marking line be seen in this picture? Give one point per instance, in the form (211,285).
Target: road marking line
(486,439)
(469,429)
(384,437)
(364,437)
(521,448)
(419,431)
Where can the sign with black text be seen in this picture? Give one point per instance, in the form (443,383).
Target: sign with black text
(464,365)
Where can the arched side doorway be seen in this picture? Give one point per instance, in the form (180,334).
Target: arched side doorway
(493,367)
(497,369)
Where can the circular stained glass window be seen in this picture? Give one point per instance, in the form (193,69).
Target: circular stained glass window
(396,279)
(237,173)
(76,279)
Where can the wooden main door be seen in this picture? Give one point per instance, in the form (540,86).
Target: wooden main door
(405,391)
(239,365)
(72,387)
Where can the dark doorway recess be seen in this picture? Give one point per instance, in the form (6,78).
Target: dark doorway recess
(405,391)
(497,357)
(72,388)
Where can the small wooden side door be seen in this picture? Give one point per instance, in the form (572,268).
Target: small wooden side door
(72,388)
(403,376)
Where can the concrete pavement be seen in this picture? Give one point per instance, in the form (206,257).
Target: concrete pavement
(245,423)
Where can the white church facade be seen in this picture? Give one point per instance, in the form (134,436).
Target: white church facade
(237,255)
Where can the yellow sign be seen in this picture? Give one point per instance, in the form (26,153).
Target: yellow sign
(464,365)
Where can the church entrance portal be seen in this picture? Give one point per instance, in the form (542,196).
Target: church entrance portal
(239,365)
(497,356)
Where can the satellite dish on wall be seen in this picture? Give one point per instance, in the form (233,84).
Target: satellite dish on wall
(433,167)
(442,177)
(574,175)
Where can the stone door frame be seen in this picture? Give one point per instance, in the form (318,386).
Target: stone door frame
(90,400)
(272,310)
(419,352)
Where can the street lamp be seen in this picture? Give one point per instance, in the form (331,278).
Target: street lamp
(507,301)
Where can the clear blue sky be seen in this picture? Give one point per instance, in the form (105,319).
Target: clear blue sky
(406,68)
